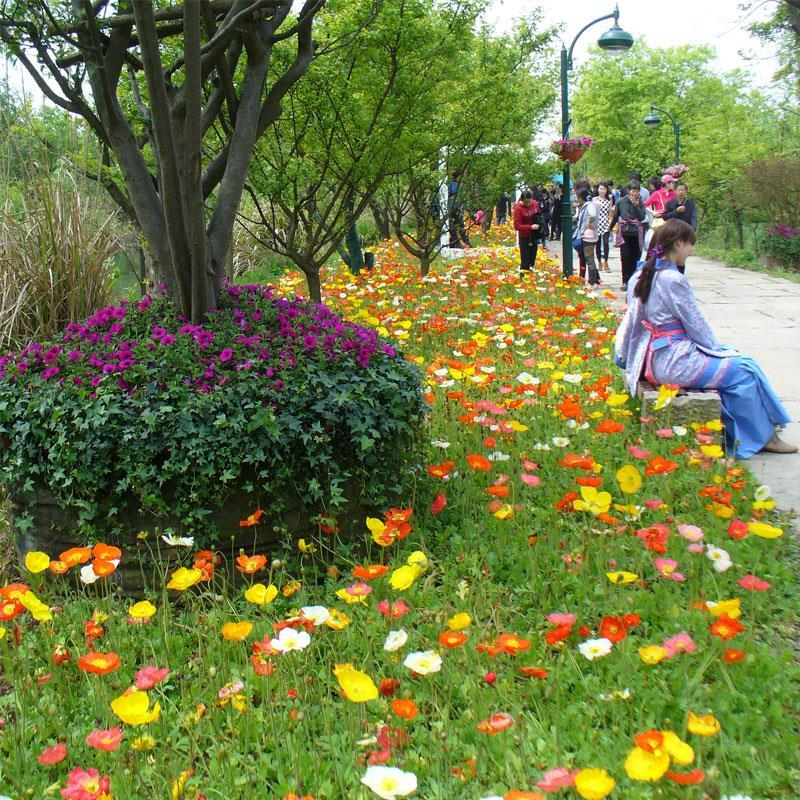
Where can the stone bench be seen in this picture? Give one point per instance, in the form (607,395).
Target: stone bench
(688,406)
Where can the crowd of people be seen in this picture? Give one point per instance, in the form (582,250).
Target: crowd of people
(630,213)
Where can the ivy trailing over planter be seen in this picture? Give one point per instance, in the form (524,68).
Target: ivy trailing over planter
(274,396)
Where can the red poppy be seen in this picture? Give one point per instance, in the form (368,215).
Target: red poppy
(438,504)
(558,634)
(441,470)
(613,629)
(389,686)
(737,529)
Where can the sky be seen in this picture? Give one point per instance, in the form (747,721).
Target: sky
(718,23)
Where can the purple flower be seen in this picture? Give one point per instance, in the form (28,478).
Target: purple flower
(226,355)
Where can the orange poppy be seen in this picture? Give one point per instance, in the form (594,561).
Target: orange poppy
(558,634)
(406,709)
(106,552)
(370,572)
(441,470)
(498,491)
(613,629)
(733,656)
(650,741)
(577,461)
(58,567)
(610,426)
(75,555)
(658,465)
(517,794)
(496,723)
(512,644)
(103,568)
(10,609)
(250,564)
(569,408)
(534,672)
(686,778)
(253,519)
(726,628)
(478,462)
(565,503)
(589,480)
(452,639)
(99,663)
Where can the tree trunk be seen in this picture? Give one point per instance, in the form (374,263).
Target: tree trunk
(314,287)
(737,215)
(381,218)
(424,265)
(486,224)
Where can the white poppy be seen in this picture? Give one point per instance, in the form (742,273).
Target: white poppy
(395,640)
(720,558)
(424,662)
(88,575)
(317,614)
(178,541)
(595,648)
(290,639)
(389,782)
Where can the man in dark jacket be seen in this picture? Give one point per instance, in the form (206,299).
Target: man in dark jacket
(681,207)
(629,215)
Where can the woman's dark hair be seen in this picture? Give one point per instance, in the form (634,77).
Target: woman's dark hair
(607,184)
(664,239)
(634,186)
(526,194)
(584,194)
(655,183)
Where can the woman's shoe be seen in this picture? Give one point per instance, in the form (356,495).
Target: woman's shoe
(606,268)
(777,445)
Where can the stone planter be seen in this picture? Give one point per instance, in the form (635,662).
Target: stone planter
(146,559)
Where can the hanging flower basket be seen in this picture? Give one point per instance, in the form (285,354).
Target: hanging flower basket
(572,150)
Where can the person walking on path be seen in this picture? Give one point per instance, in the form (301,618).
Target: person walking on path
(629,218)
(455,209)
(528,222)
(502,208)
(657,202)
(681,207)
(555,219)
(604,203)
(665,337)
(586,236)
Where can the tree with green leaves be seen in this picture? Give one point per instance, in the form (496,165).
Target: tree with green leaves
(188,67)
(345,127)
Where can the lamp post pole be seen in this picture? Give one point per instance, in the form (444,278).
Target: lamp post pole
(614,40)
(676,129)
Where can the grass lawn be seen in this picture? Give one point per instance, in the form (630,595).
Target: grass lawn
(562,587)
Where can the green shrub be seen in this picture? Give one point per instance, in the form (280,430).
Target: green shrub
(783,244)
(277,397)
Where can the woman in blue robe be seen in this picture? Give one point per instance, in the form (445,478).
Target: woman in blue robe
(665,337)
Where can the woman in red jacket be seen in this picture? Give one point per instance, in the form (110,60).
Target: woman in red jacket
(528,222)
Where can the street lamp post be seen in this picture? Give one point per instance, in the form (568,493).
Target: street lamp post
(652,120)
(614,40)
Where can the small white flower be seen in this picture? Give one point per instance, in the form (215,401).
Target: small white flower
(720,558)
(763,492)
(443,372)
(88,575)
(560,441)
(317,614)
(572,377)
(680,430)
(526,379)
(424,662)
(389,782)
(440,443)
(497,455)
(395,640)
(178,541)
(595,648)
(290,639)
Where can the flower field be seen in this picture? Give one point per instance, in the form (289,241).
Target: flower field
(560,607)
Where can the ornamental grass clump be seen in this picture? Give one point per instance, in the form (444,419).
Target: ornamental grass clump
(276,397)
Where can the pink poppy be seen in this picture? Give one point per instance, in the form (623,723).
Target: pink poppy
(395,610)
(680,643)
(690,532)
(696,548)
(147,677)
(667,567)
(506,390)
(529,480)
(106,740)
(359,589)
(86,784)
(654,504)
(53,755)
(665,433)
(558,778)
(753,584)
(637,452)
(531,466)
(557,618)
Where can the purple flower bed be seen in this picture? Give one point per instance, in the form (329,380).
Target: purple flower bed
(270,392)
(782,242)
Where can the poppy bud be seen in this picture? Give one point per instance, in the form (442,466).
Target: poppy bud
(389,686)
(490,677)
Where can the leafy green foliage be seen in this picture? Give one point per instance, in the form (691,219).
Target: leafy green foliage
(279,398)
